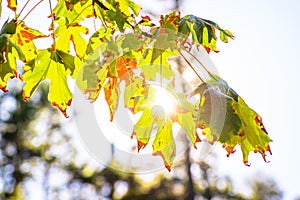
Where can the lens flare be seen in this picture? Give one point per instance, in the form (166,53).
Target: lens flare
(165,99)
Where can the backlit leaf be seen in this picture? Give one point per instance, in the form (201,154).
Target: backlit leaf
(99,40)
(53,66)
(67,34)
(203,31)
(73,11)
(152,68)
(143,128)
(24,37)
(91,77)
(12,4)
(164,144)
(8,65)
(112,93)
(128,6)
(224,116)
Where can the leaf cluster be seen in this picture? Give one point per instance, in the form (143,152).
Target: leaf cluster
(128,48)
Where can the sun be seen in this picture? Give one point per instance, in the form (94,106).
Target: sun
(165,99)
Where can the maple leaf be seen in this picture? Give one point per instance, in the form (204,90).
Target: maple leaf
(91,76)
(164,144)
(135,88)
(124,64)
(12,4)
(158,67)
(203,31)
(65,34)
(126,6)
(185,117)
(54,66)
(120,12)
(112,92)
(9,53)
(170,22)
(24,37)
(224,116)
(73,11)
(101,40)
(133,42)
(141,97)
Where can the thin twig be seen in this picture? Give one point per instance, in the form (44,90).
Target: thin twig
(52,25)
(32,9)
(203,66)
(23,8)
(192,67)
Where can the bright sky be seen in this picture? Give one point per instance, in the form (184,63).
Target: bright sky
(262,65)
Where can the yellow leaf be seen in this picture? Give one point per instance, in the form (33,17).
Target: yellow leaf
(64,35)
(49,65)
(24,37)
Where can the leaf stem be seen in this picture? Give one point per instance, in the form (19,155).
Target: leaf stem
(204,67)
(23,9)
(32,10)
(192,67)
(52,25)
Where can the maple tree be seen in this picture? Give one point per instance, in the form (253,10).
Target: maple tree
(130,48)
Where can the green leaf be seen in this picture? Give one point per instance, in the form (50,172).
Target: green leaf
(73,11)
(162,43)
(50,65)
(118,17)
(164,144)
(203,31)
(216,115)
(132,42)
(224,116)
(91,76)
(67,34)
(143,128)
(9,27)
(99,40)
(254,131)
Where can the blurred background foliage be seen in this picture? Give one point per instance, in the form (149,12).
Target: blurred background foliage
(38,160)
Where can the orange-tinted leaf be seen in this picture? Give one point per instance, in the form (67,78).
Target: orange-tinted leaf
(12,4)
(124,65)
(112,92)
(24,37)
